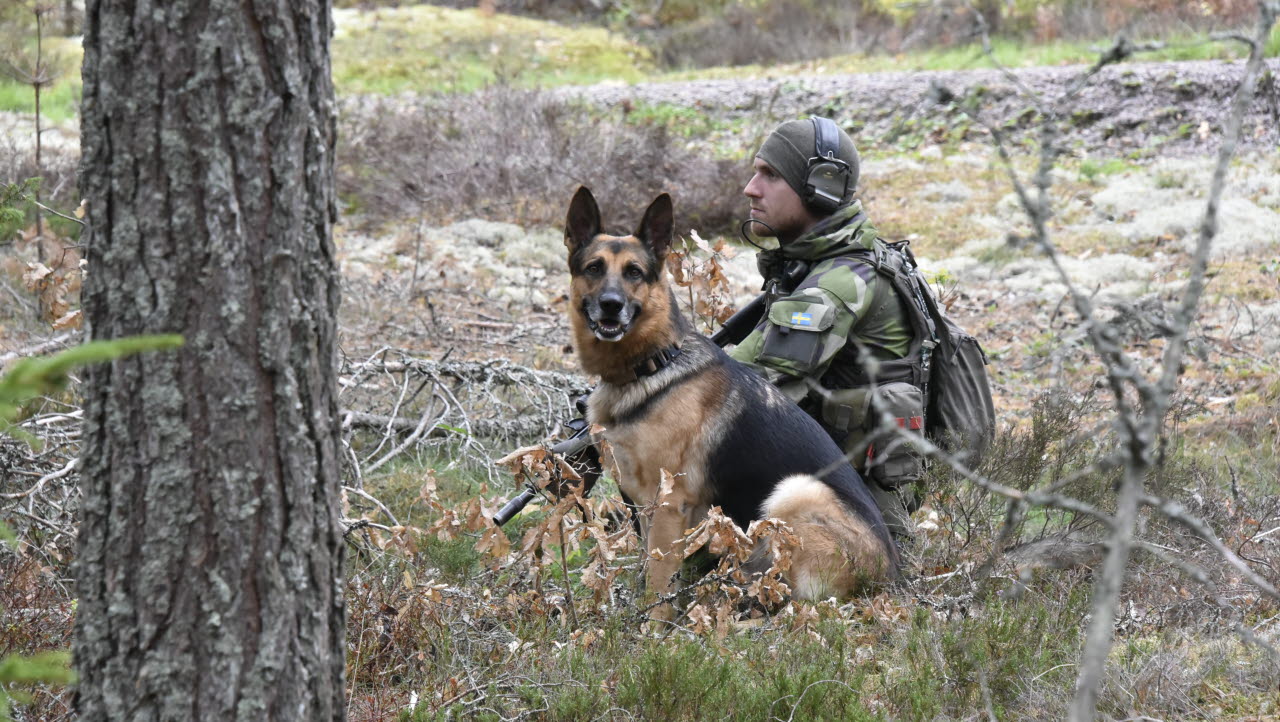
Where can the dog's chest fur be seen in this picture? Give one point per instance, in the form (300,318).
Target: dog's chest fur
(663,422)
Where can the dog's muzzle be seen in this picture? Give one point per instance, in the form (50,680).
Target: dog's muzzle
(610,315)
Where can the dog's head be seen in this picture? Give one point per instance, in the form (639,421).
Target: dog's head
(616,277)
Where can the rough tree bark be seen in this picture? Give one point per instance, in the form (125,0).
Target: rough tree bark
(209,570)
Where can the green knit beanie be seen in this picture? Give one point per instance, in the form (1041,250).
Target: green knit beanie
(790,146)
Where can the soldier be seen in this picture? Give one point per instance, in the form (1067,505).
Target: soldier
(828,311)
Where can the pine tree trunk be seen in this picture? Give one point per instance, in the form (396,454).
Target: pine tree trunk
(209,572)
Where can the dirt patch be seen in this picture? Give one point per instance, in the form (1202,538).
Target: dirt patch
(1175,107)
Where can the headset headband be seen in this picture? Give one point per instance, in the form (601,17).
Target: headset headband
(826,138)
(827,177)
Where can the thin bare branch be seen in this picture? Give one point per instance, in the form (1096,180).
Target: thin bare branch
(1175,512)
(1144,433)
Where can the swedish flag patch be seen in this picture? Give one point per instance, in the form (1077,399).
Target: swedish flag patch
(801,319)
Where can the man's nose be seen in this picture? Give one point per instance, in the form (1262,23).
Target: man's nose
(750,190)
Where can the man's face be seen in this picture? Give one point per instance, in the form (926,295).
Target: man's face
(773,202)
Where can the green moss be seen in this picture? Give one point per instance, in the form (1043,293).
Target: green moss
(426,48)
(682,120)
(1007,52)
(1168,179)
(999,254)
(1092,170)
(1086,117)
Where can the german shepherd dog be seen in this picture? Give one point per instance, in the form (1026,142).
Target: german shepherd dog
(670,399)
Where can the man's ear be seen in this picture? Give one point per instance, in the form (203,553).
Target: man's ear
(657,225)
(583,222)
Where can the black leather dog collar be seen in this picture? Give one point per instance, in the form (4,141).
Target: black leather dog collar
(656,362)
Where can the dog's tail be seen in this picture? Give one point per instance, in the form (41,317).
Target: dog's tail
(840,552)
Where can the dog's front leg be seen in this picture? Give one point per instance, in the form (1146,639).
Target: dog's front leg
(671,519)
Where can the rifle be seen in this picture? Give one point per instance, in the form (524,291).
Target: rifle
(577,444)
(740,324)
(733,331)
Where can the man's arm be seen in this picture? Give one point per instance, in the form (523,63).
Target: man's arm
(804,331)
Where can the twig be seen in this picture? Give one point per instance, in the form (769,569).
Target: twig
(395,410)
(36,487)
(47,209)
(1055,667)
(564,566)
(367,497)
(1174,511)
(43,347)
(417,432)
(67,531)
(21,301)
(804,692)
(1142,435)
(1265,534)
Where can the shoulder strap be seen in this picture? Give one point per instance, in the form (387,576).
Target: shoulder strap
(894,263)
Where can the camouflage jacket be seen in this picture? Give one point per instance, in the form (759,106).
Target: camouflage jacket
(842,308)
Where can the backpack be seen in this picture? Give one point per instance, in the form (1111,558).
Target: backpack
(945,363)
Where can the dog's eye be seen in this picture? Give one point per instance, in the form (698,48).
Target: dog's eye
(594,268)
(634,273)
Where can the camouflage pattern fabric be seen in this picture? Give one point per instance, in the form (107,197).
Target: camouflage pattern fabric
(841,309)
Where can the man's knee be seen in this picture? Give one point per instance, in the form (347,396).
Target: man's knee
(896,506)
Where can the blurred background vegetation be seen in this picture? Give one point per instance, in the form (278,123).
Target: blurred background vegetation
(453,56)
(459,45)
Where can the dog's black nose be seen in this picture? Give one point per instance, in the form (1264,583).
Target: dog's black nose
(612,303)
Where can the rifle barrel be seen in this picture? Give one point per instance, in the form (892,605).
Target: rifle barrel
(513,507)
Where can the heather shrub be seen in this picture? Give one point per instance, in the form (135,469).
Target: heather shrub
(517,155)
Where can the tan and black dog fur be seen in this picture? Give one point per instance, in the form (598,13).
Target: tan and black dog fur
(669,399)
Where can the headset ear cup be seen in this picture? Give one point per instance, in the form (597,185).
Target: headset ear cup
(825,186)
(828,178)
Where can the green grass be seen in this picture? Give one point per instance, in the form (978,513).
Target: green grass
(421,49)
(954,667)
(682,120)
(57,103)
(802,677)
(1091,169)
(60,101)
(425,48)
(1008,52)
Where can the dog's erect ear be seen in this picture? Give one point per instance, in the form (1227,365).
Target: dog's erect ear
(657,225)
(583,221)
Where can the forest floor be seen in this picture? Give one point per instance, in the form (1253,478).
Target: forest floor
(451,623)
(1128,195)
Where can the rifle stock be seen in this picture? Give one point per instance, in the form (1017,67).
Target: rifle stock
(740,324)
